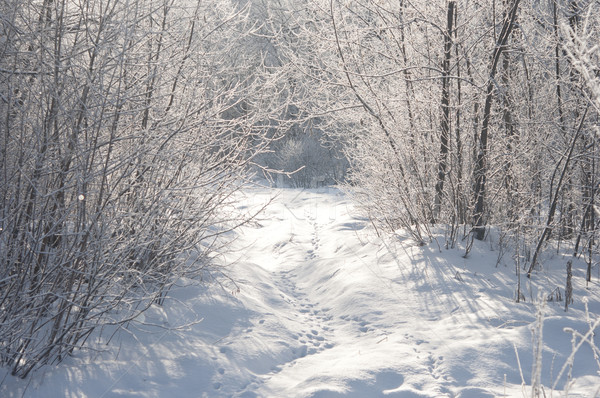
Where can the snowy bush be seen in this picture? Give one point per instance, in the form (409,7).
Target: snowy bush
(306,161)
(117,163)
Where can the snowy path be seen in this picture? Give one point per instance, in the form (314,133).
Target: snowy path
(321,243)
(321,308)
(357,325)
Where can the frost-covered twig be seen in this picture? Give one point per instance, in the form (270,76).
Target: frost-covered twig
(584,51)
(538,347)
(576,345)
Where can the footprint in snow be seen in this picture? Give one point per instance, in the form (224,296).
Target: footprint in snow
(434,366)
(389,380)
(302,351)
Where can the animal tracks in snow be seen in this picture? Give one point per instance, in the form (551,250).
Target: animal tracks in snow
(314,336)
(433,367)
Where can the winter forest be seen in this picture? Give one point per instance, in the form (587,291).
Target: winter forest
(156,155)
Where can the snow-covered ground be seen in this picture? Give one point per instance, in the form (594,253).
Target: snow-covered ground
(319,306)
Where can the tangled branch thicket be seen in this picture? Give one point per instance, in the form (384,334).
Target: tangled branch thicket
(119,155)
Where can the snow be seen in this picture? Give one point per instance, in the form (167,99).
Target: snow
(312,303)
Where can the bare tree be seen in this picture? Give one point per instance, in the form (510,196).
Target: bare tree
(445,106)
(481,166)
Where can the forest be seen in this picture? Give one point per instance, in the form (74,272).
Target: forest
(128,128)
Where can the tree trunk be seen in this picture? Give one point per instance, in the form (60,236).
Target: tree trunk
(445,122)
(481,168)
